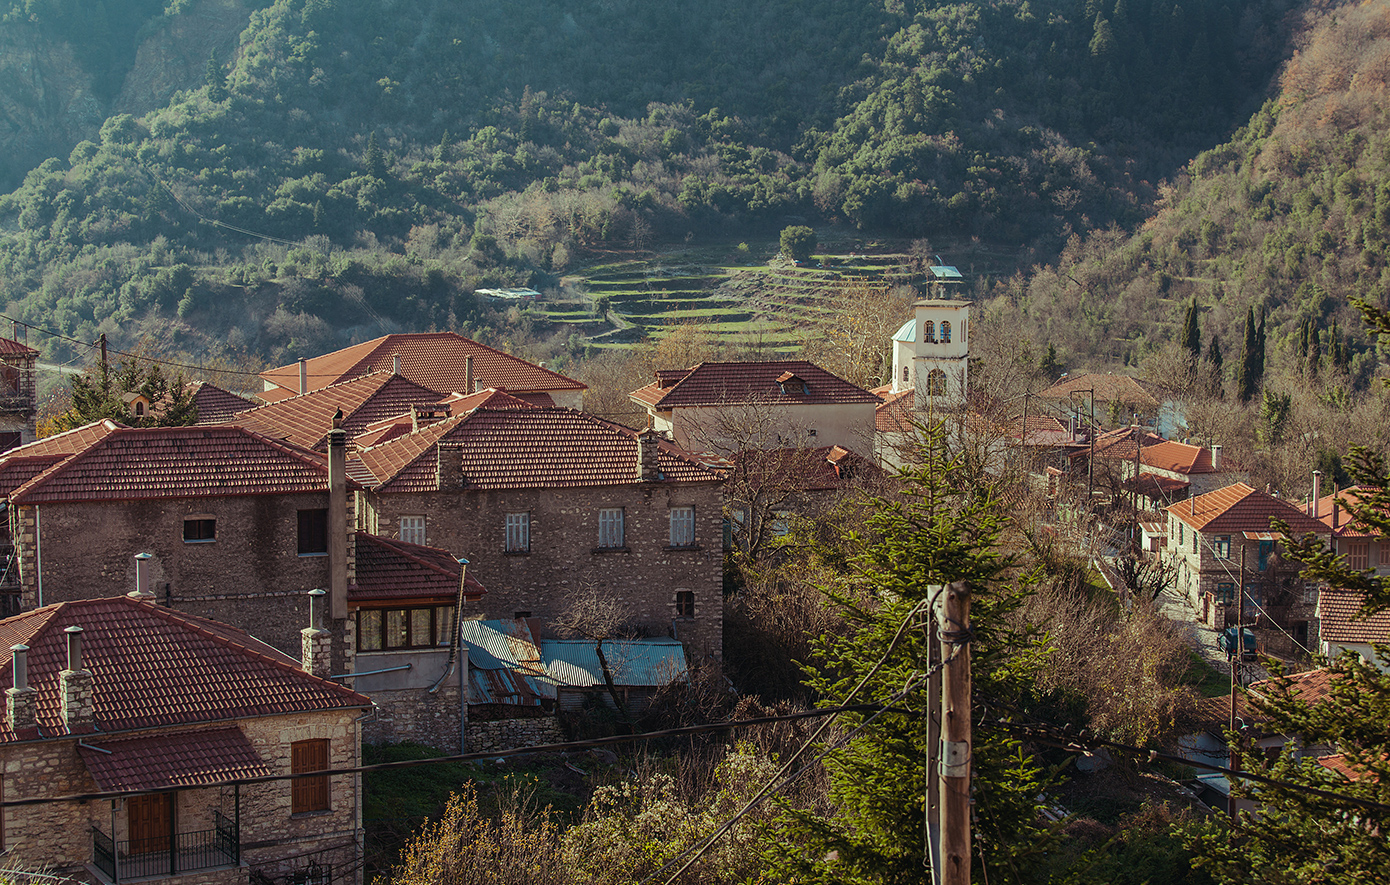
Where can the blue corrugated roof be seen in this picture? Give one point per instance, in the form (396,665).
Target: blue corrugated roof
(635,662)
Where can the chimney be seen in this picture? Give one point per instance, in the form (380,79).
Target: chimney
(303,375)
(448,467)
(337,518)
(75,686)
(1317,492)
(648,456)
(395,364)
(1336,508)
(141,590)
(414,418)
(470,385)
(19,700)
(1216,456)
(316,643)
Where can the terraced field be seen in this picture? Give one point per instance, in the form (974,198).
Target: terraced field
(773,304)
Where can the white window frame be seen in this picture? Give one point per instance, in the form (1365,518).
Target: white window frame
(517,532)
(682,527)
(411,530)
(610,528)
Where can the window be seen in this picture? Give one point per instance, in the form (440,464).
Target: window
(610,527)
(1226,593)
(139,409)
(313,532)
(1180,534)
(780,524)
(412,529)
(1223,547)
(518,536)
(388,629)
(1266,548)
(945,332)
(1357,554)
(309,793)
(929,332)
(682,526)
(907,371)
(199,529)
(1194,541)
(936,383)
(685,603)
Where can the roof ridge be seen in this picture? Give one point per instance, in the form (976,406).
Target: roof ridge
(396,545)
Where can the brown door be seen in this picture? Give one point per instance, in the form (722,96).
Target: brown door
(149,822)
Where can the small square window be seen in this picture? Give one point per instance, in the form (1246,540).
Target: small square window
(610,527)
(682,530)
(412,529)
(518,534)
(685,603)
(313,532)
(1223,547)
(1225,593)
(199,529)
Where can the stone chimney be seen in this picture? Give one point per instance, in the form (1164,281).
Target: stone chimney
(142,586)
(19,701)
(470,384)
(448,467)
(1216,456)
(303,375)
(1317,493)
(395,364)
(337,518)
(75,686)
(316,643)
(648,456)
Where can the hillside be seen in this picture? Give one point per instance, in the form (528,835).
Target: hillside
(353,168)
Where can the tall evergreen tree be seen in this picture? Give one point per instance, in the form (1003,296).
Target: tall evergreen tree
(1192,331)
(1218,366)
(216,79)
(1247,370)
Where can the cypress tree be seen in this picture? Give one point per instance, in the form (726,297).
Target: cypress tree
(216,79)
(1192,331)
(1218,364)
(1314,353)
(1260,352)
(1246,370)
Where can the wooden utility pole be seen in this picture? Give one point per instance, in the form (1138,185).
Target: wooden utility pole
(956,757)
(1236,653)
(932,634)
(102,342)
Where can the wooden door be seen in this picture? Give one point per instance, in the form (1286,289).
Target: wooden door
(149,818)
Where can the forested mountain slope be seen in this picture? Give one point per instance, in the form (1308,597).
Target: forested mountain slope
(357,166)
(1290,219)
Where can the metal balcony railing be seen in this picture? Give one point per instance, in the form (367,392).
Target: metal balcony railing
(149,857)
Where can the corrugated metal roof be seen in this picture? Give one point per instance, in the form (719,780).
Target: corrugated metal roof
(633,662)
(504,663)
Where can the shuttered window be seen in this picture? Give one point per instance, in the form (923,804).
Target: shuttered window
(1357,555)
(518,533)
(610,527)
(682,526)
(413,529)
(309,793)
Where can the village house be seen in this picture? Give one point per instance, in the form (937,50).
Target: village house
(729,407)
(160,710)
(1341,629)
(305,419)
(1226,555)
(443,361)
(18,393)
(547,503)
(1111,400)
(215,405)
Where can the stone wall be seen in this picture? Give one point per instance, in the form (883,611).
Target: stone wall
(644,576)
(508,734)
(413,714)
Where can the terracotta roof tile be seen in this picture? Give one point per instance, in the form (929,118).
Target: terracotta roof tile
(170,759)
(305,420)
(1177,457)
(808,470)
(153,666)
(524,448)
(1155,486)
(894,414)
(1239,508)
(713,384)
(178,462)
(1339,763)
(1109,388)
(1346,525)
(433,359)
(11,347)
(21,464)
(1338,612)
(216,405)
(391,569)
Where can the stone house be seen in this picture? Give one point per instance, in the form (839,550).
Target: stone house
(18,394)
(443,361)
(160,713)
(1340,629)
(1222,545)
(729,407)
(305,419)
(547,503)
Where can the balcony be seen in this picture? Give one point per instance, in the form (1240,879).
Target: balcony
(151,858)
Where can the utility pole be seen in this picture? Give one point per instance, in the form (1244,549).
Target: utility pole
(102,342)
(1236,653)
(956,756)
(932,819)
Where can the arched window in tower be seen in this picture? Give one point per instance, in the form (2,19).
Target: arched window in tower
(945,332)
(907,372)
(936,383)
(929,332)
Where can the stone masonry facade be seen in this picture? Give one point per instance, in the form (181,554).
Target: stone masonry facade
(645,575)
(506,734)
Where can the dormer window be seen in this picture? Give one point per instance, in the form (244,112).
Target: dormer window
(790,382)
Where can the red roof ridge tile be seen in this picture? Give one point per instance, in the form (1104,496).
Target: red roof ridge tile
(401,548)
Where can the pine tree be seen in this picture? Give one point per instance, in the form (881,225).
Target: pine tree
(216,80)
(373,160)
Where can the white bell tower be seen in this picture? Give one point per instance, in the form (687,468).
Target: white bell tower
(941,355)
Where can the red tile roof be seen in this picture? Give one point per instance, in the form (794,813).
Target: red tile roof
(433,359)
(10,347)
(1346,525)
(153,666)
(1109,388)
(1338,612)
(894,414)
(524,448)
(1239,508)
(1177,457)
(390,569)
(305,420)
(1121,444)
(170,759)
(1339,764)
(178,462)
(216,405)
(23,463)
(808,470)
(1155,486)
(716,384)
